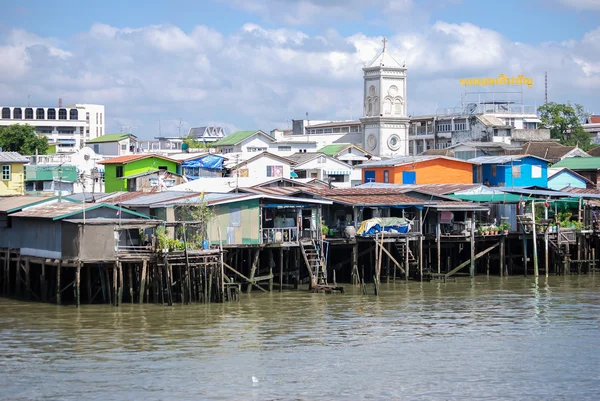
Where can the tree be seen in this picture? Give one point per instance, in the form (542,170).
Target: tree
(194,143)
(564,121)
(22,139)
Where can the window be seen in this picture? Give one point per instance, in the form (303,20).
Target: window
(29,113)
(62,114)
(274,171)
(17,113)
(516,171)
(124,147)
(51,114)
(386,176)
(40,114)
(73,114)
(6,112)
(398,107)
(387,106)
(119,171)
(87,117)
(493,170)
(164,168)
(284,148)
(328,131)
(5,172)
(257,149)
(510,122)
(460,126)
(96,118)
(96,148)
(447,127)
(321,160)
(536,171)
(235,217)
(100,118)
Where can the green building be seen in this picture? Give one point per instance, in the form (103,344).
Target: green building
(118,170)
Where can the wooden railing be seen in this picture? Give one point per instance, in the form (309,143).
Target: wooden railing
(288,234)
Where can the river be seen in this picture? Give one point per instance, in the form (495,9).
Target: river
(490,339)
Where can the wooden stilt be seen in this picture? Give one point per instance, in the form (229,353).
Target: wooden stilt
(130,281)
(406,262)
(43,282)
(28,282)
(88,277)
(438,235)
(18,277)
(58,266)
(115,284)
(78,284)
(169,269)
(280,269)
(143,281)
(472,263)
(253,271)
(502,255)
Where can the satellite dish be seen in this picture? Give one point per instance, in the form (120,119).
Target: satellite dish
(471,108)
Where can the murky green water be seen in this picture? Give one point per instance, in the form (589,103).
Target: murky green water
(494,340)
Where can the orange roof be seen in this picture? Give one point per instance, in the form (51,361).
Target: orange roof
(131,158)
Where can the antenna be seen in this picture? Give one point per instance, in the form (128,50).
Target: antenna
(60,102)
(28,100)
(179,126)
(546,88)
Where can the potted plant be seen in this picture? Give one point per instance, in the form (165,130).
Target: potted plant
(480,230)
(505,226)
(324,230)
(486,230)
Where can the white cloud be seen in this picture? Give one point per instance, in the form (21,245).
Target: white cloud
(255,77)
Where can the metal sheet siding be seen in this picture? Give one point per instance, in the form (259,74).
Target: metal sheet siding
(41,238)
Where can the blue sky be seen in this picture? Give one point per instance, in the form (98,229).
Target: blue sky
(258,64)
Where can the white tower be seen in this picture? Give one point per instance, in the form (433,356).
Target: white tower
(385,124)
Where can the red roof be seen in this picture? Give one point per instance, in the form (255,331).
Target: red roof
(131,158)
(595,119)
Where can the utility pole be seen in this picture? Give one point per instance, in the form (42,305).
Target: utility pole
(546,88)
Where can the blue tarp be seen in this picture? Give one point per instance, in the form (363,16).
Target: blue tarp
(212,162)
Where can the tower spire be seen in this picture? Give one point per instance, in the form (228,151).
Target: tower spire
(384,42)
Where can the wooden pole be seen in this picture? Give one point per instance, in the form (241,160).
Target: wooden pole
(43,282)
(355,263)
(130,281)
(438,241)
(536,272)
(472,263)
(143,281)
(222,266)
(406,266)
(280,269)
(253,271)
(28,283)
(421,244)
(88,282)
(78,284)
(502,255)
(58,266)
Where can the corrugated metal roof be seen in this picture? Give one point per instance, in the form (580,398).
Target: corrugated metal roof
(58,210)
(501,159)
(375,200)
(13,157)
(398,161)
(580,163)
(131,158)
(283,191)
(146,199)
(14,203)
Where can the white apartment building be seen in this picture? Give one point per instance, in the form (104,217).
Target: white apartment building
(494,121)
(67,128)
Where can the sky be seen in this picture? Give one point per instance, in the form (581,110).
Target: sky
(259,64)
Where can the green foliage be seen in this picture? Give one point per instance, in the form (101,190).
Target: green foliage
(324,228)
(22,139)
(504,226)
(201,215)
(164,242)
(194,143)
(564,121)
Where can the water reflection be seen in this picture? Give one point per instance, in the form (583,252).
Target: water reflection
(489,337)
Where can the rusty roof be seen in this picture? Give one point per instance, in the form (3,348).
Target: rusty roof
(580,190)
(282,191)
(14,203)
(61,210)
(375,200)
(132,158)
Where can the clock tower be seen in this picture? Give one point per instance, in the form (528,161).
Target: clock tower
(385,124)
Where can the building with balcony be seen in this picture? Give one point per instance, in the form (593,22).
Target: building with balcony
(67,128)
(485,121)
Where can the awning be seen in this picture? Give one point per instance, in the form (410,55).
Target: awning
(532,120)
(338,172)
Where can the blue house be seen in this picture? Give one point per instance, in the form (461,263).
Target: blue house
(560,178)
(510,171)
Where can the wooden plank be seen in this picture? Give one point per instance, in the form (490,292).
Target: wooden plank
(58,283)
(143,281)
(244,277)
(464,264)
(392,258)
(78,284)
(253,271)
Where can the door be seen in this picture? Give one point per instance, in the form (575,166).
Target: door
(369,176)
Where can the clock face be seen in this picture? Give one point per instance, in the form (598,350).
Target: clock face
(394,142)
(372,142)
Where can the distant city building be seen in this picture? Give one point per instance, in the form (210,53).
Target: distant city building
(114,144)
(504,122)
(592,125)
(67,128)
(12,173)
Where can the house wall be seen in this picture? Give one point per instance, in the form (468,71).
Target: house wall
(256,141)
(436,171)
(37,237)
(246,232)
(16,185)
(279,148)
(106,148)
(113,184)
(504,177)
(258,168)
(564,179)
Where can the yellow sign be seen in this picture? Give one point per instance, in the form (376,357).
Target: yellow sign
(501,80)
